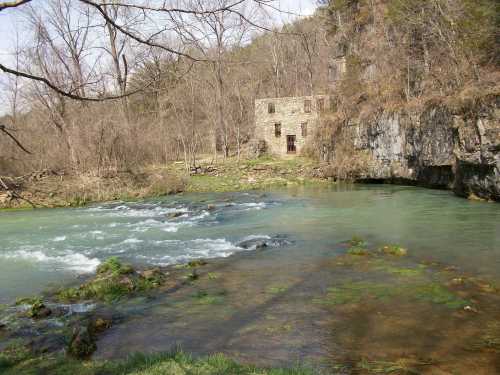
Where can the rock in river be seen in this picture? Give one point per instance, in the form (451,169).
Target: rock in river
(264,242)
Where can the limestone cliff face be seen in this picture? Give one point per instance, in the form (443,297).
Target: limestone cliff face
(455,147)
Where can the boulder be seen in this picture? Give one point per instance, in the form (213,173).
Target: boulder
(262,243)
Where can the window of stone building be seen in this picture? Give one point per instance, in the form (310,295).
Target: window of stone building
(307,106)
(271,108)
(303,129)
(321,104)
(277,130)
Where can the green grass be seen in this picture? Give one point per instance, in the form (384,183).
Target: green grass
(22,207)
(139,364)
(401,366)
(265,159)
(13,355)
(234,177)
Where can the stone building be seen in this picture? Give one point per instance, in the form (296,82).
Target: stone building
(286,123)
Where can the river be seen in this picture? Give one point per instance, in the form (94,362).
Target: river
(282,304)
(46,247)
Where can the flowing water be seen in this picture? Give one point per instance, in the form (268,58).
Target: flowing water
(44,247)
(263,305)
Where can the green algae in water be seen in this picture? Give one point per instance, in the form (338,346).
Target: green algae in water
(389,267)
(276,289)
(436,293)
(356,250)
(356,292)
(202,297)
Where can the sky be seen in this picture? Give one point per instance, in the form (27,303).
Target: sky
(9,18)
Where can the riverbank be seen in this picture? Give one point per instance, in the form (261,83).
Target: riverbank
(50,189)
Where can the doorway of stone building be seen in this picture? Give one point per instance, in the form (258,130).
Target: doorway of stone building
(290,144)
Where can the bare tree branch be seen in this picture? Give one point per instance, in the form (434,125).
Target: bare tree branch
(12,4)
(133,36)
(65,93)
(4,130)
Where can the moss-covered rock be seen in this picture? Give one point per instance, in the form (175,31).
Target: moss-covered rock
(115,267)
(113,281)
(356,241)
(37,308)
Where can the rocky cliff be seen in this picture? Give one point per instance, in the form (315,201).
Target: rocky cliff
(455,146)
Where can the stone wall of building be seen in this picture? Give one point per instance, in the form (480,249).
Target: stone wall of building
(291,114)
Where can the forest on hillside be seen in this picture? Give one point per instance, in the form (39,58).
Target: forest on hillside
(184,79)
